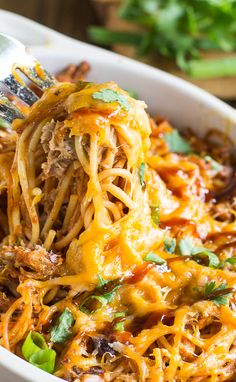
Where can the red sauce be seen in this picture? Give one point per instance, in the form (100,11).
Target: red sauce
(139,273)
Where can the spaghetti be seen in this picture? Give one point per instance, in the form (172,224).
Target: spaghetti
(117,257)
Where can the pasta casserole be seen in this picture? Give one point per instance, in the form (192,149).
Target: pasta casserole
(118,241)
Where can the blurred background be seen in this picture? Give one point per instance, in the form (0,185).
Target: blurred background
(193,39)
(71,17)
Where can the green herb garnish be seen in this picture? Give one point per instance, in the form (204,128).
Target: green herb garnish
(93,303)
(141,174)
(101,281)
(119,314)
(62,330)
(169,244)
(4,124)
(176,143)
(231,260)
(220,294)
(88,307)
(188,248)
(214,164)
(153,258)
(155,214)
(36,352)
(102,36)
(109,95)
(179,30)
(132,93)
(44,359)
(119,326)
(18,240)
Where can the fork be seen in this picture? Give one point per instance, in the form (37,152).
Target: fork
(14,58)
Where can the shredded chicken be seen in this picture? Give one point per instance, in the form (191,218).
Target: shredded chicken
(5,302)
(37,259)
(59,148)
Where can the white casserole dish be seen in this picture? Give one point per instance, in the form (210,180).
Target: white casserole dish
(181,103)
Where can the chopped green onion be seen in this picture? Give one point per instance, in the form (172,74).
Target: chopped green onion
(119,314)
(119,326)
(111,295)
(36,352)
(213,260)
(33,343)
(4,124)
(62,331)
(141,174)
(231,260)
(170,244)
(188,248)
(103,301)
(83,307)
(44,359)
(19,240)
(155,214)
(152,257)
(101,281)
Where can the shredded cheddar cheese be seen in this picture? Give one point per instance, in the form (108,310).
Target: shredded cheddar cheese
(116,237)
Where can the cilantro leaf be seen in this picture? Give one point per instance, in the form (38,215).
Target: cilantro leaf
(209,287)
(62,330)
(214,164)
(109,95)
(176,143)
(155,214)
(152,257)
(220,294)
(221,300)
(169,244)
(179,30)
(141,174)
(188,248)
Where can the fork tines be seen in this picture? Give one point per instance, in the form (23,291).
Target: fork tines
(14,58)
